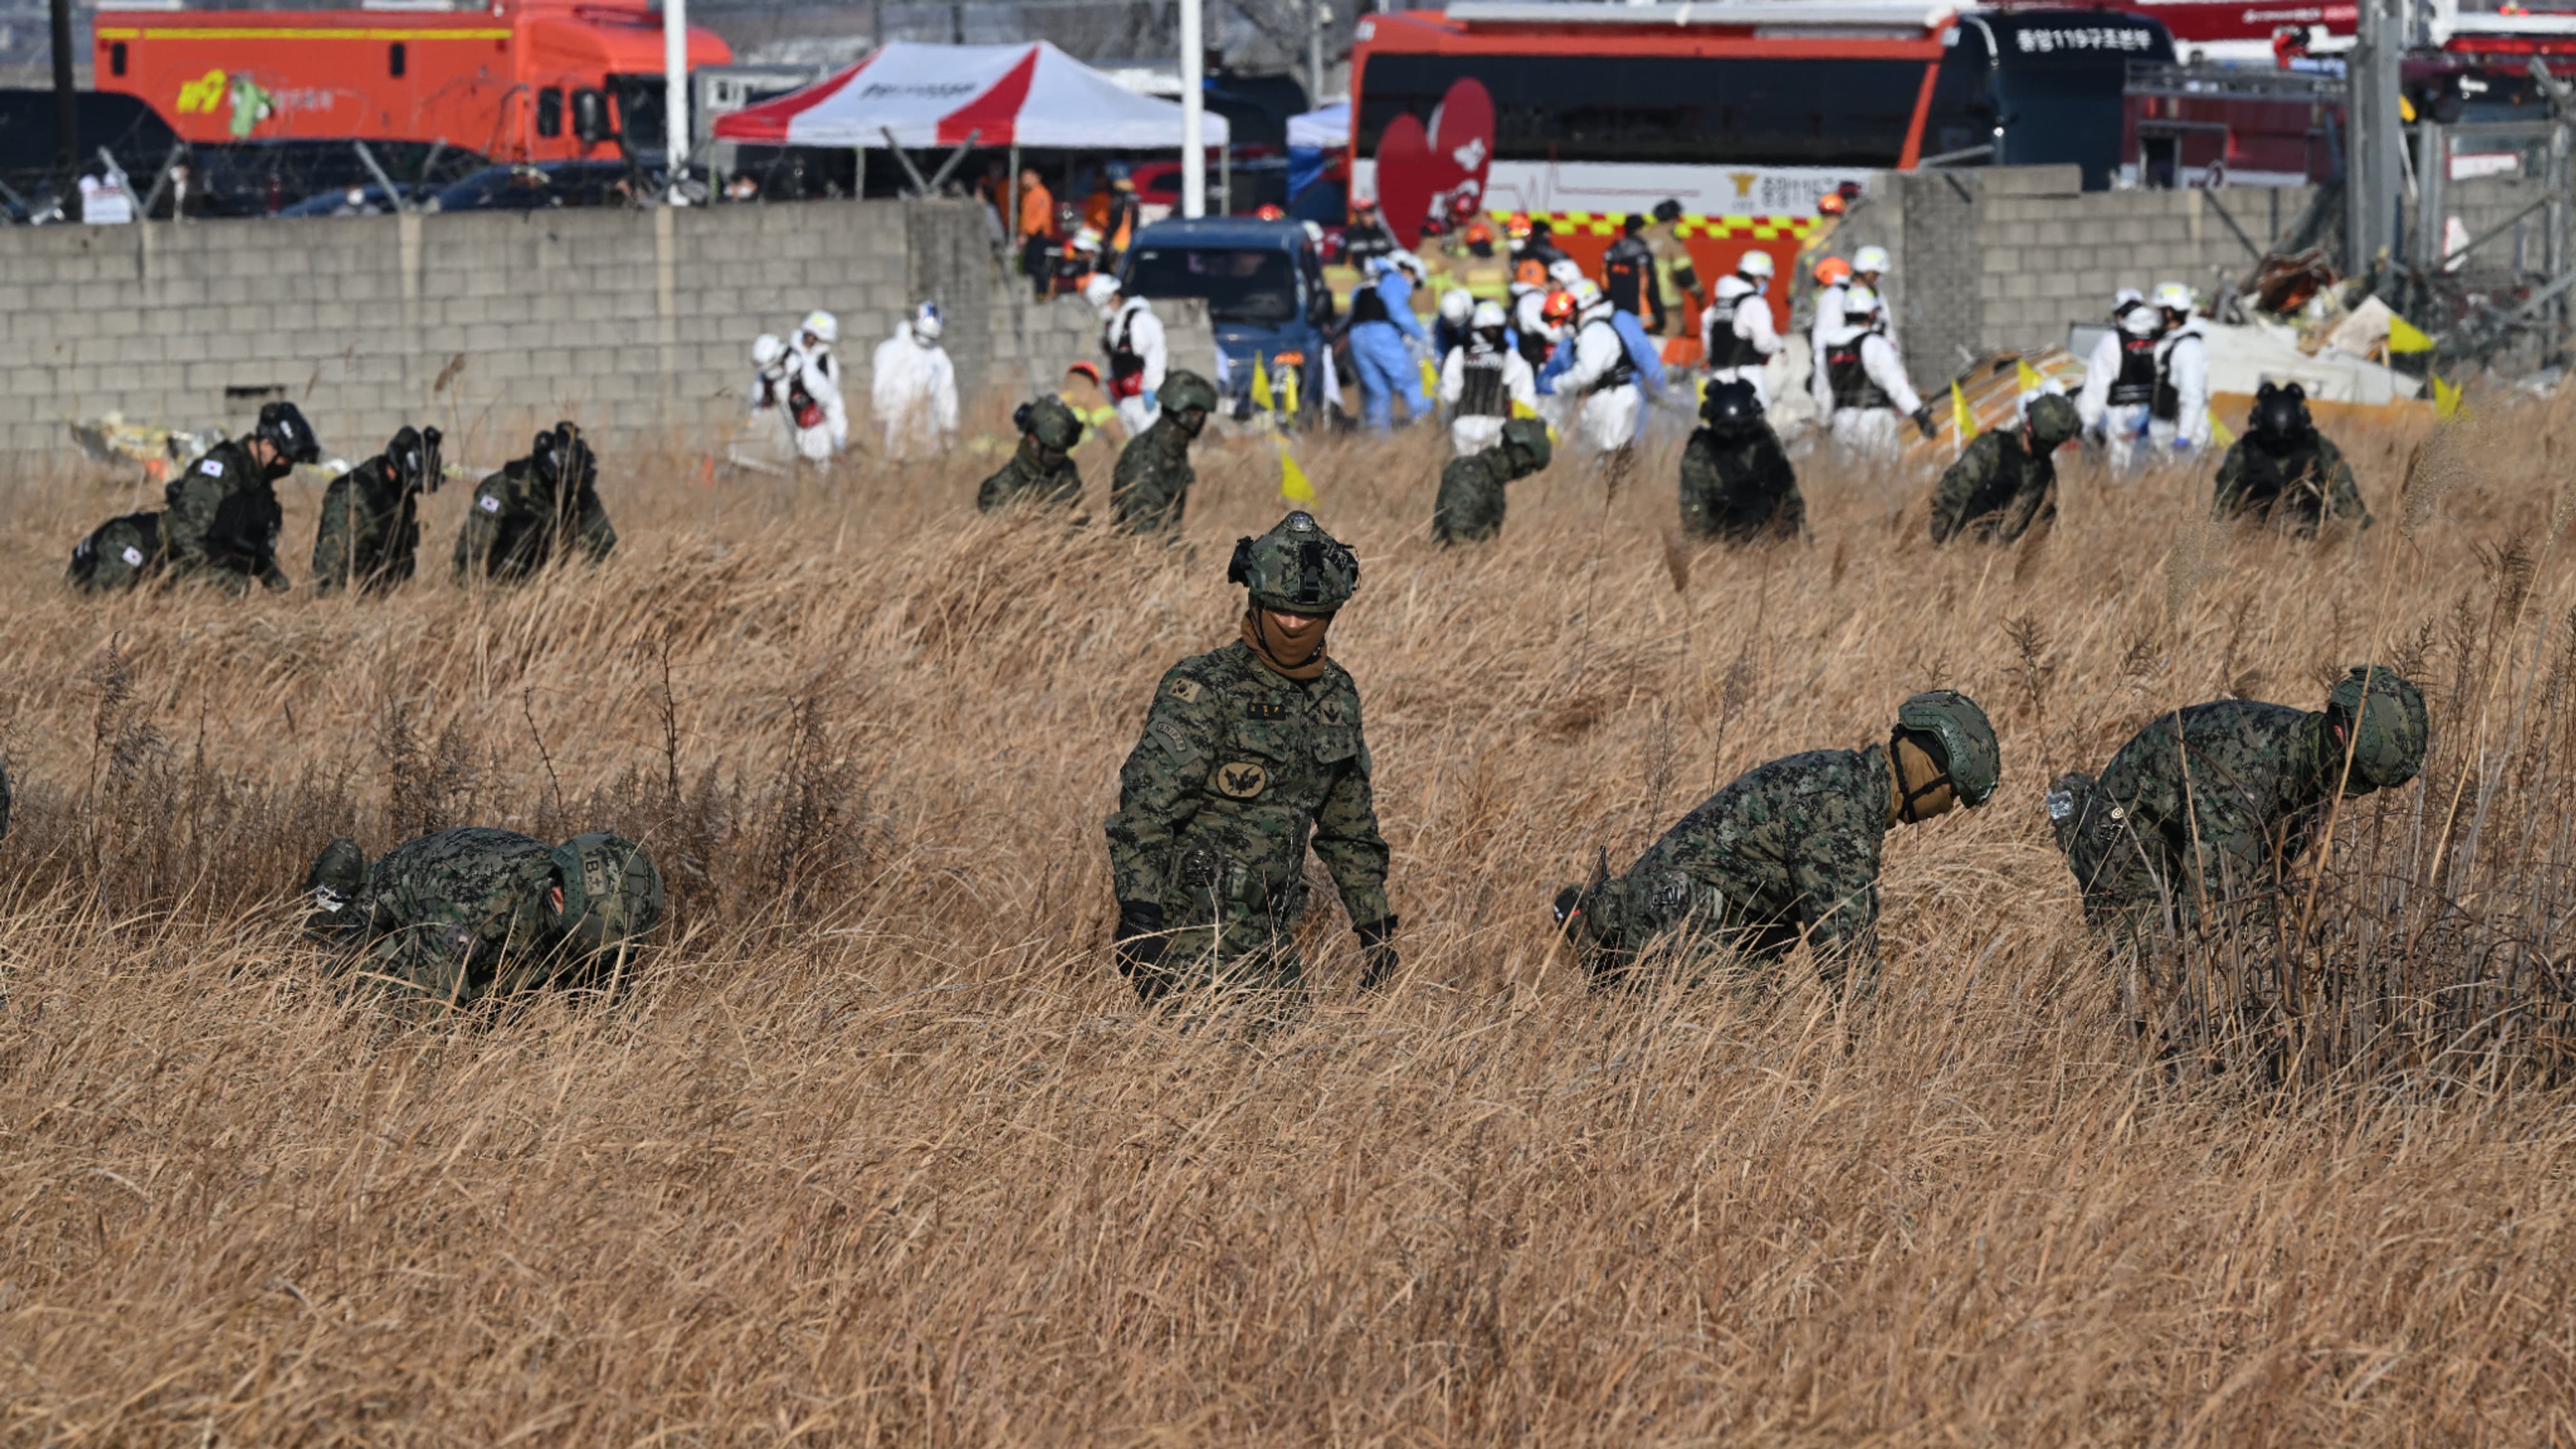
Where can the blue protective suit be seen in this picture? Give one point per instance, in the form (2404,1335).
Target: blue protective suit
(1386,366)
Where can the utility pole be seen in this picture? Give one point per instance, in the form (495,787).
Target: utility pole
(66,108)
(2376,137)
(675,93)
(1193,112)
(1318,15)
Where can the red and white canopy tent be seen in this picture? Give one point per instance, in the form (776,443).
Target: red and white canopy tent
(938,95)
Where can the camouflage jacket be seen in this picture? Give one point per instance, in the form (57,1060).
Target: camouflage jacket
(2213,800)
(220,521)
(513,526)
(370,531)
(454,916)
(1024,479)
(1789,848)
(118,554)
(1469,508)
(1151,486)
(2298,486)
(1740,488)
(1995,492)
(1238,772)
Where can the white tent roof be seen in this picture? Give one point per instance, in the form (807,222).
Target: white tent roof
(936,95)
(1325,128)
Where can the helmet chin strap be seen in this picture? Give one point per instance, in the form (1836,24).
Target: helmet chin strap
(1906,799)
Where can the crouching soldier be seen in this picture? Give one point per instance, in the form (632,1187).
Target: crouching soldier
(460,915)
(1150,487)
(2285,472)
(2206,807)
(534,508)
(119,554)
(370,532)
(1251,755)
(221,518)
(2006,483)
(1736,480)
(1788,852)
(1042,471)
(1469,508)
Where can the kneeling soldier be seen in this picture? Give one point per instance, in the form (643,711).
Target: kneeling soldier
(1736,480)
(370,531)
(2284,471)
(1470,506)
(1042,471)
(2006,483)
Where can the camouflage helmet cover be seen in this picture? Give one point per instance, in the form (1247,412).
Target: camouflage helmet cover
(2390,728)
(1051,422)
(1296,567)
(612,893)
(2053,420)
(1183,389)
(1528,438)
(1970,756)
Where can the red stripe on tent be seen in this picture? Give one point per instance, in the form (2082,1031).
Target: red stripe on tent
(768,120)
(994,116)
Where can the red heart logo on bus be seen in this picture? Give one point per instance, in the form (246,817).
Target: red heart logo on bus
(1421,170)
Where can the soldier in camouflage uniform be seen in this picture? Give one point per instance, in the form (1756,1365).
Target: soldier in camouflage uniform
(1469,508)
(1736,480)
(460,915)
(370,531)
(1152,482)
(546,501)
(118,555)
(1788,852)
(1042,470)
(1251,754)
(2203,810)
(2284,471)
(2006,482)
(220,518)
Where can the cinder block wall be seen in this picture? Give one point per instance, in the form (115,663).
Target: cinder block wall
(639,324)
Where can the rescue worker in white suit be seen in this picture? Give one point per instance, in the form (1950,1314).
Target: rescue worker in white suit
(1131,342)
(2120,380)
(766,438)
(1867,265)
(1603,380)
(1483,380)
(1736,332)
(817,369)
(2179,425)
(1870,389)
(913,388)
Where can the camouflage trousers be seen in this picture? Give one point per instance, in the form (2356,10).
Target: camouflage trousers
(1231,949)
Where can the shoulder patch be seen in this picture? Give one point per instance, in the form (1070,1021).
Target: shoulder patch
(1331,711)
(1187,691)
(133,557)
(212,467)
(1241,780)
(489,503)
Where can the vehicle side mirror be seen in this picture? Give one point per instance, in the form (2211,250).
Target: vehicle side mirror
(590,117)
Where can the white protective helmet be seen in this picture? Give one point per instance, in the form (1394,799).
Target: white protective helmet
(2126,296)
(1456,306)
(1860,303)
(2142,321)
(2173,297)
(1564,272)
(766,349)
(1870,259)
(823,325)
(1756,266)
(1731,289)
(1100,290)
(1488,314)
(927,324)
(1588,298)
(1409,262)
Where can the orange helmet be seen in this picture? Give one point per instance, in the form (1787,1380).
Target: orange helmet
(1517,226)
(1830,204)
(1476,232)
(1559,308)
(1832,272)
(1530,271)
(1269,212)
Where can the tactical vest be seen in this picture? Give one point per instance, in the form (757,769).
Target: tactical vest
(1481,392)
(800,403)
(2136,381)
(118,553)
(1622,372)
(1369,305)
(1849,376)
(2166,405)
(1126,364)
(1731,348)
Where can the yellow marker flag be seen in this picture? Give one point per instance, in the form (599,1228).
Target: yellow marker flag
(1292,480)
(1430,378)
(1962,421)
(2029,377)
(1288,387)
(1260,384)
(2405,336)
(2446,398)
(2218,431)
(1523,410)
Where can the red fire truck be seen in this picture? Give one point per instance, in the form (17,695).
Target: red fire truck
(521,80)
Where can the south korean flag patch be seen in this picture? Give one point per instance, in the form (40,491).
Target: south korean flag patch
(489,503)
(212,467)
(133,557)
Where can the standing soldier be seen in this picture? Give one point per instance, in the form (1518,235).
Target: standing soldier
(534,506)
(1788,852)
(221,516)
(2207,806)
(1470,506)
(460,915)
(2007,480)
(118,555)
(2284,471)
(1251,754)
(370,533)
(1151,485)
(1042,470)
(1736,480)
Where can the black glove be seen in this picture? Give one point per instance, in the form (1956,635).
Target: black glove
(1140,942)
(1377,954)
(1923,421)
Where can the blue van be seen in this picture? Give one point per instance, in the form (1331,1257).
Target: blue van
(1264,288)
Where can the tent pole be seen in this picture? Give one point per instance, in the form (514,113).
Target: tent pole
(1193,112)
(1011,203)
(1225,179)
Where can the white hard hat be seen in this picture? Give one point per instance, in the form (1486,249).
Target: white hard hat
(1456,306)
(1488,314)
(1732,288)
(823,325)
(2173,296)
(2141,322)
(1756,264)
(1315,232)
(1564,272)
(927,323)
(1100,289)
(1859,301)
(1870,259)
(1407,260)
(2125,296)
(767,349)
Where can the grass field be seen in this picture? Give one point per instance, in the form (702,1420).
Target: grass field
(879,1149)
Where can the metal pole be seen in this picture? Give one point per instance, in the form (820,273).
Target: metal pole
(2432,202)
(66,108)
(1318,15)
(675,93)
(1193,112)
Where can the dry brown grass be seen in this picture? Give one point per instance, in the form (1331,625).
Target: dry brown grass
(881,1151)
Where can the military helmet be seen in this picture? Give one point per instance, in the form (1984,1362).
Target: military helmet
(1731,406)
(2390,730)
(612,893)
(281,425)
(1296,568)
(2281,412)
(1050,422)
(563,456)
(1183,389)
(1528,437)
(1970,759)
(2053,420)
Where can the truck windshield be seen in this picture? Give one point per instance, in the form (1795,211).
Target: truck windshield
(1241,284)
